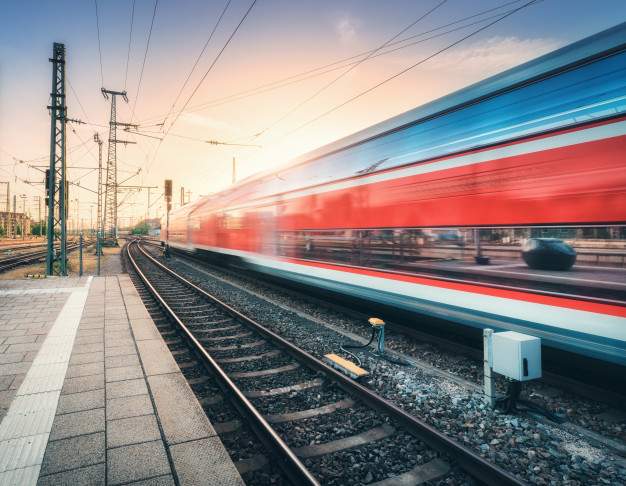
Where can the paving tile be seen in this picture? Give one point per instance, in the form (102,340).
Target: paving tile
(17,381)
(119,389)
(117,334)
(5,382)
(156,357)
(88,348)
(137,311)
(124,360)
(118,327)
(203,462)
(82,384)
(77,402)
(84,358)
(95,324)
(14,368)
(137,462)
(124,373)
(85,369)
(90,339)
(12,357)
(20,339)
(91,475)
(132,430)
(180,414)
(120,350)
(126,407)
(160,481)
(77,423)
(88,332)
(119,342)
(19,348)
(73,453)
(145,329)
(30,356)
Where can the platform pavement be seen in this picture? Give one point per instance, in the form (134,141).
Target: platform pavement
(90,394)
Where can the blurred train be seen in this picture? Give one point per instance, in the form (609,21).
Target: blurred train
(540,146)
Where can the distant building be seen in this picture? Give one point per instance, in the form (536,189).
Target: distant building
(10,222)
(155,227)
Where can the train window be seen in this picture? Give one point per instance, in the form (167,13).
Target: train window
(450,254)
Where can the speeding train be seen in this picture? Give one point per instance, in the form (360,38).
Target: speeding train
(537,150)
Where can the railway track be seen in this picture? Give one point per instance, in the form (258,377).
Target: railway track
(29,257)
(592,379)
(311,416)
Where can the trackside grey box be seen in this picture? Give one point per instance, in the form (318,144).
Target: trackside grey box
(516,355)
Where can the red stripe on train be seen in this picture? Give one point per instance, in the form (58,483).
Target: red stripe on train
(606,309)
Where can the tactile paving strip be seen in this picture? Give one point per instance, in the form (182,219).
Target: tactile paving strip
(25,429)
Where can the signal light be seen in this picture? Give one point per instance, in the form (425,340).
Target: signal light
(168,188)
(47,182)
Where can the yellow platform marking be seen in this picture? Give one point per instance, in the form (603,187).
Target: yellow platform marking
(344,365)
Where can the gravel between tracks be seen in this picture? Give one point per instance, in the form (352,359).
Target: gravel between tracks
(533,449)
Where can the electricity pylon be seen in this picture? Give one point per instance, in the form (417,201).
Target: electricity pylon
(57,183)
(110,199)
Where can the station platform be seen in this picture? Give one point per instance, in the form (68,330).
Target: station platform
(90,394)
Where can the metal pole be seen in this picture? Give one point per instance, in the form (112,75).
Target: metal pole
(80,254)
(98,250)
(167,236)
(490,389)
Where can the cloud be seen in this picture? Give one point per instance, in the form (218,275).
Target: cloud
(492,55)
(347,27)
(205,122)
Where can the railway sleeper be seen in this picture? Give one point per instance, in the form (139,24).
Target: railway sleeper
(286,389)
(220,338)
(430,471)
(269,354)
(236,347)
(377,433)
(312,412)
(273,371)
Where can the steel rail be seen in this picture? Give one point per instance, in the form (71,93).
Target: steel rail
(470,461)
(292,466)
(7,263)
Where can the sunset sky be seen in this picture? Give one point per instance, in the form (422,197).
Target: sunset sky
(270,69)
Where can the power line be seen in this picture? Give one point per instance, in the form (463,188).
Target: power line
(402,72)
(156,3)
(99,47)
(132,18)
(197,60)
(333,66)
(211,66)
(201,81)
(354,66)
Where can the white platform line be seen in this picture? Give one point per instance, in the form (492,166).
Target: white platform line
(25,430)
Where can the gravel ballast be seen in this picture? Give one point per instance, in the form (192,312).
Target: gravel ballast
(530,447)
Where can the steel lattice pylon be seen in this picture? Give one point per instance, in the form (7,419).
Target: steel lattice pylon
(57,184)
(110,199)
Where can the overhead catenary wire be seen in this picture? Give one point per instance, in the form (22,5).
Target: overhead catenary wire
(404,71)
(196,63)
(143,65)
(130,38)
(327,68)
(354,66)
(212,64)
(99,44)
(202,81)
